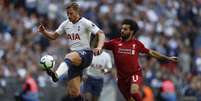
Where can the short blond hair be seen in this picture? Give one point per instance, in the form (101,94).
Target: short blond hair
(73,5)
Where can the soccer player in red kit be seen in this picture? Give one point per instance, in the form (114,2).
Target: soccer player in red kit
(126,50)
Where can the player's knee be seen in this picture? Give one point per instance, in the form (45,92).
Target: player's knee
(73,92)
(74,57)
(134,88)
(73,87)
(69,57)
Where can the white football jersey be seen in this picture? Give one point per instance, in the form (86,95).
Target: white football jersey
(99,62)
(78,34)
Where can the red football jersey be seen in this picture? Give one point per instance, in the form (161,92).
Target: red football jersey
(126,56)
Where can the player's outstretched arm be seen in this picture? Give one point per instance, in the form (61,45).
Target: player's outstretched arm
(160,56)
(101,39)
(49,35)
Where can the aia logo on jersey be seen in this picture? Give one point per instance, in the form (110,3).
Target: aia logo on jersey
(96,66)
(73,36)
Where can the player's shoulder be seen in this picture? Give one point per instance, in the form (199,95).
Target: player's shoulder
(116,39)
(85,20)
(136,41)
(65,22)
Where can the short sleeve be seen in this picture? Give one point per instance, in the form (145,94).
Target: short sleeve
(93,27)
(142,48)
(60,30)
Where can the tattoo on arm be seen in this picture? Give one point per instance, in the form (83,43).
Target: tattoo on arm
(101,39)
(157,55)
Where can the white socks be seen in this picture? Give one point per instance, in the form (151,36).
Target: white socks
(62,69)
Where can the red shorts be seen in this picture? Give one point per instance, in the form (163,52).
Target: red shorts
(125,84)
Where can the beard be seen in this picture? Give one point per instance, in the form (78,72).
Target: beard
(125,37)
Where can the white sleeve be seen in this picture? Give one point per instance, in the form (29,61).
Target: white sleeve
(109,61)
(93,27)
(60,30)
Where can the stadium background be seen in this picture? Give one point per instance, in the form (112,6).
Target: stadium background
(172,27)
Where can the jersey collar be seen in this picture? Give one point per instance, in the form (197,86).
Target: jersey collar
(77,20)
(128,40)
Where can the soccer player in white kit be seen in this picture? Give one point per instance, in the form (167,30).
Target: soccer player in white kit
(94,74)
(78,30)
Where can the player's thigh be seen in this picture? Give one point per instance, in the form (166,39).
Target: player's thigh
(136,82)
(73,86)
(74,57)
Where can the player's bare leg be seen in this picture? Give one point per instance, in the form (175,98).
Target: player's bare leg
(73,86)
(75,58)
(63,67)
(135,93)
(74,83)
(74,64)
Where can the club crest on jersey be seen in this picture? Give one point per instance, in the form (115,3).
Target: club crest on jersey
(133,49)
(78,29)
(133,46)
(120,44)
(73,36)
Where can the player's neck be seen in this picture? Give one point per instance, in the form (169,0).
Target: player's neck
(129,38)
(126,40)
(76,20)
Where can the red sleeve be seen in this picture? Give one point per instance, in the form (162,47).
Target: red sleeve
(142,48)
(109,44)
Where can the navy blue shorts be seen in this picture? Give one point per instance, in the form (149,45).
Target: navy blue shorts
(93,86)
(86,56)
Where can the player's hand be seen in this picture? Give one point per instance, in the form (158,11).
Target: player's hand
(104,71)
(84,78)
(173,59)
(97,51)
(41,28)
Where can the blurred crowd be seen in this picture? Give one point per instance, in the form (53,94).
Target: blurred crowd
(172,27)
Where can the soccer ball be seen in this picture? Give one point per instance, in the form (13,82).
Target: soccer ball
(47,62)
